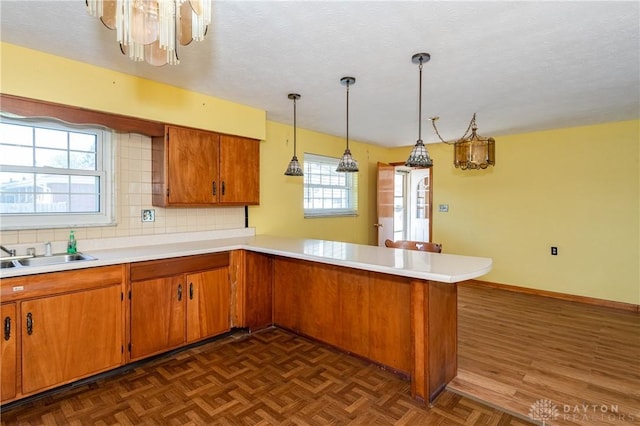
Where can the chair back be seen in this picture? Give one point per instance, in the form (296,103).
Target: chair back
(414,245)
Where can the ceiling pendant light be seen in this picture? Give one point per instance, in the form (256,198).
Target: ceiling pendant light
(294,168)
(149,30)
(471,151)
(419,156)
(347,163)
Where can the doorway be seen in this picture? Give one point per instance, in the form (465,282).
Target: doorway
(404,203)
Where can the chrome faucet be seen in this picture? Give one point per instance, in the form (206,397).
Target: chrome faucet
(10,252)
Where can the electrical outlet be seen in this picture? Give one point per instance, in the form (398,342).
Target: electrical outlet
(443,208)
(149,215)
(554,251)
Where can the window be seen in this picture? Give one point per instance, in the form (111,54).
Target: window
(53,174)
(327,192)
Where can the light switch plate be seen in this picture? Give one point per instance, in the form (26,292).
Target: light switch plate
(148,215)
(443,208)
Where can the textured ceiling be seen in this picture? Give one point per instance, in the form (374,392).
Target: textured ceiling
(522,66)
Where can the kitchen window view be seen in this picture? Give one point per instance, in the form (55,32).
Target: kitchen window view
(327,192)
(53,174)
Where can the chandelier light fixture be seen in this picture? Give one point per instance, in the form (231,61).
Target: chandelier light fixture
(471,151)
(294,168)
(419,156)
(347,163)
(150,30)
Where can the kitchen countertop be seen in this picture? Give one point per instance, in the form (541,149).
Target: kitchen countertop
(440,267)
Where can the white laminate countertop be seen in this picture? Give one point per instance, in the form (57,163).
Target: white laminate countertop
(447,268)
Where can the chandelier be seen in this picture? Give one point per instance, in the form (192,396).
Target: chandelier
(150,30)
(471,151)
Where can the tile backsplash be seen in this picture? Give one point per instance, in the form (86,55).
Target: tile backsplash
(132,195)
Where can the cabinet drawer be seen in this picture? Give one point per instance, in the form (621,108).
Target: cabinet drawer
(140,271)
(60,282)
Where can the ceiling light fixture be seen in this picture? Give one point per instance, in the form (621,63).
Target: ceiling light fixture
(347,163)
(294,168)
(149,30)
(419,156)
(471,151)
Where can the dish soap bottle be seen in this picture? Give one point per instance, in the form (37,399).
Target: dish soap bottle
(72,243)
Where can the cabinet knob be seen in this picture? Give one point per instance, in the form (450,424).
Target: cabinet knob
(213,188)
(223,188)
(179,292)
(7,328)
(191,291)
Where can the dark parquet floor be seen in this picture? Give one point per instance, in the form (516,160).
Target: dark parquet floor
(268,378)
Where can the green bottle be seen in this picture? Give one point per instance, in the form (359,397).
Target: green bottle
(72,243)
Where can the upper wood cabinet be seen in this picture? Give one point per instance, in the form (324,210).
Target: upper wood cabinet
(192,167)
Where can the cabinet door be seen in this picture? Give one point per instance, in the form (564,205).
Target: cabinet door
(239,170)
(192,166)
(157,315)
(70,336)
(208,304)
(8,346)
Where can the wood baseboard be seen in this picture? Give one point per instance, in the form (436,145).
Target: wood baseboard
(556,295)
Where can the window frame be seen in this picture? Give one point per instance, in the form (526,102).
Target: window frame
(105,171)
(351,186)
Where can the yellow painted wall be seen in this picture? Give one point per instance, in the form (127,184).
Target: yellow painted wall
(281,209)
(38,75)
(576,188)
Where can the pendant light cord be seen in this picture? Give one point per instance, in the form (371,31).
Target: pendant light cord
(420,104)
(294,126)
(347,114)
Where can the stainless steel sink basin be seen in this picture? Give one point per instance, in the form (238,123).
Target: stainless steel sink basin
(55,259)
(8,264)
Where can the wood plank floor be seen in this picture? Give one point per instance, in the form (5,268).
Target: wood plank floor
(267,378)
(515,349)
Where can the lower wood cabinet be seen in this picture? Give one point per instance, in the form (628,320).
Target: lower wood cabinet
(8,346)
(178,301)
(69,336)
(60,327)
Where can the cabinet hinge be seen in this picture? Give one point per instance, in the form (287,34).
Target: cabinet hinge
(122,349)
(129,294)
(167,192)
(129,347)
(121,296)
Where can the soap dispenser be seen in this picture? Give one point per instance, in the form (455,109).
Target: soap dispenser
(72,243)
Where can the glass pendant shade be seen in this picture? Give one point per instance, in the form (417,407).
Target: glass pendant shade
(150,30)
(294,168)
(419,156)
(347,164)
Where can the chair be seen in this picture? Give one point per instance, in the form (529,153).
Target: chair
(414,245)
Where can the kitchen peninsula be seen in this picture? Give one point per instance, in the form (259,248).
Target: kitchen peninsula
(395,307)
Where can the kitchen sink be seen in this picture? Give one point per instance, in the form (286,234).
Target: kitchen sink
(55,259)
(8,264)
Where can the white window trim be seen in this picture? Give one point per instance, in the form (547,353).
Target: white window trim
(331,212)
(105,156)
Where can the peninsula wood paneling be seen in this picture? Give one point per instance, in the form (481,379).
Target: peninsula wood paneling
(258,290)
(358,311)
